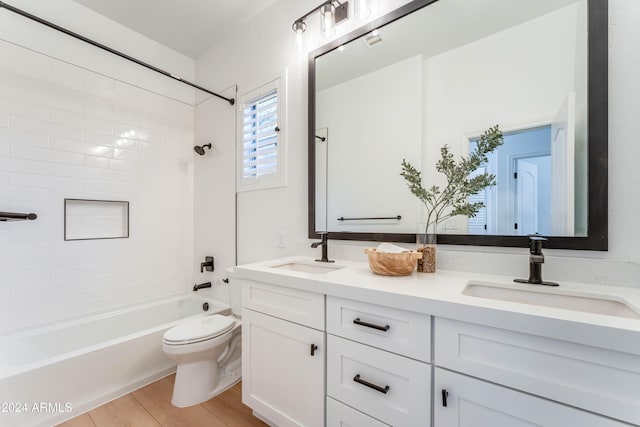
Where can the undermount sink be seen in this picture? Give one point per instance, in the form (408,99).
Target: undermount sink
(568,300)
(301,267)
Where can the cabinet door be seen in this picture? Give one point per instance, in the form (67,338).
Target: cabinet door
(282,380)
(475,403)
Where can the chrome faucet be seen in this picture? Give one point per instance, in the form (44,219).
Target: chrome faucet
(324,243)
(536,259)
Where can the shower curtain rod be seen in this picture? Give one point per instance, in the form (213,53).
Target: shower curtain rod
(108,49)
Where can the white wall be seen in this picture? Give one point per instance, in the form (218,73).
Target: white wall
(121,133)
(354,129)
(243,60)
(214,202)
(254,54)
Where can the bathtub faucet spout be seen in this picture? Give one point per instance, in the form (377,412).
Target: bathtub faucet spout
(201,286)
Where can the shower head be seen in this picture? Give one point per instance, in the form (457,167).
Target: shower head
(200,148)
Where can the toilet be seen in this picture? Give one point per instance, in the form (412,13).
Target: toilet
(207,350)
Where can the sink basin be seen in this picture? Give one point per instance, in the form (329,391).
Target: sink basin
(301,267)
(568,300)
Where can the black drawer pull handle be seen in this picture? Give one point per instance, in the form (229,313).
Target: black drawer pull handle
(359,380)
(445,394)
(313,349)
(357,321)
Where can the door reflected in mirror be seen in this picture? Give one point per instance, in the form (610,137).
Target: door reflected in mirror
(524,190)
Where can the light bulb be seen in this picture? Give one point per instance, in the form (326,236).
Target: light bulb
(299,27)
(327,19)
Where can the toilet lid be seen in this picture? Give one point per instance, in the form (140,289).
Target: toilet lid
(199,329)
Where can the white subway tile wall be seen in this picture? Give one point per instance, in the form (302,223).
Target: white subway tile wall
(66,132)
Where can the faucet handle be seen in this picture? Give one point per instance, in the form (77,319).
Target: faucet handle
(535,243)
(208,264)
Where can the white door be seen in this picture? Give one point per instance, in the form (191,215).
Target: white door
(526,197)
(282,377)
(461,401)
(563,168)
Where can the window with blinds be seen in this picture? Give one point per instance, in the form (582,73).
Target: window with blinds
(261,144)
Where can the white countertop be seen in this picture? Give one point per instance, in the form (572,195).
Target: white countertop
(440,294)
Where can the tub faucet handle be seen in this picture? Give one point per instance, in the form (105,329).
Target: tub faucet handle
(208,264)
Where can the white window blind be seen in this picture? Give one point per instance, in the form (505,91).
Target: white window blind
(478,223)
(261,158)
(260,138)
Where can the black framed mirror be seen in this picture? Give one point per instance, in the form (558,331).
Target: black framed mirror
(387,91)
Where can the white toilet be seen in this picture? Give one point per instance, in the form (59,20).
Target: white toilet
(207,351)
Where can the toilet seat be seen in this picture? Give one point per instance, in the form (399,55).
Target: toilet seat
(198,329)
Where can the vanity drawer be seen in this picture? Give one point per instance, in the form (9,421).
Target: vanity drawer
(399,331)
(341,415)
(302,307)
(394,389)
(592,378)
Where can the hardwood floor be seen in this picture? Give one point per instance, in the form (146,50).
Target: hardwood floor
(151,406)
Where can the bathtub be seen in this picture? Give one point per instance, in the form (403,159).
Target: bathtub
(53,373)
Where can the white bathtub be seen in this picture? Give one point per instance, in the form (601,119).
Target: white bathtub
(54,373)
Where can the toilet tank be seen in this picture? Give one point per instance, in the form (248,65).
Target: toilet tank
(235,296)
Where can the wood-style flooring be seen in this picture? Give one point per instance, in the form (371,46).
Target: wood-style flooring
(151,406)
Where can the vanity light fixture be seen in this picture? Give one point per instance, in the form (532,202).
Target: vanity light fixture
(332,12)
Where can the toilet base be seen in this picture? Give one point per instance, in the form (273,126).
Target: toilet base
(187,392)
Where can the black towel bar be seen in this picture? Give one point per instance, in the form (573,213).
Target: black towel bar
(12,216)
(398,217)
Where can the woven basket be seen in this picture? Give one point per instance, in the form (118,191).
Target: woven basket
(392,264)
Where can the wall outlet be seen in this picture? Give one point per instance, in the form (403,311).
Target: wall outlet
(281,239)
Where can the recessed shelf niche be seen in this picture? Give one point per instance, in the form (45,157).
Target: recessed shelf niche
(95,219)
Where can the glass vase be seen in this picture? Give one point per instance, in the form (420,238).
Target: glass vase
(427,245)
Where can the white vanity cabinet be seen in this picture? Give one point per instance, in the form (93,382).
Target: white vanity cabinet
(377,365)
(447,362)
(283,354)
(598,380)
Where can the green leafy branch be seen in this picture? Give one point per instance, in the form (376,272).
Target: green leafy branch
(460,183)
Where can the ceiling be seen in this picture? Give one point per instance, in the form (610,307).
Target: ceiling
(430,31)
(187,26)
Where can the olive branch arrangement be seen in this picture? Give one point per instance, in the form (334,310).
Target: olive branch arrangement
(460,185)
